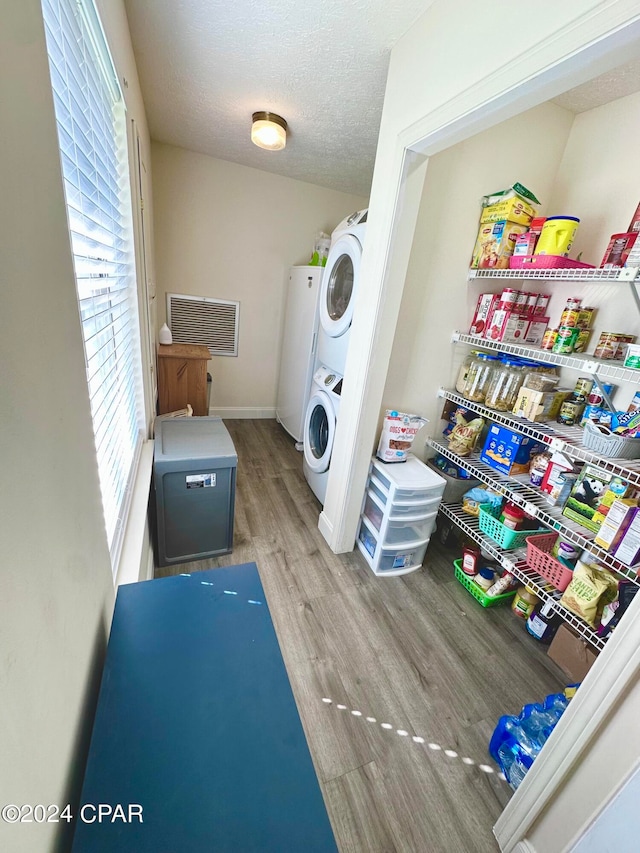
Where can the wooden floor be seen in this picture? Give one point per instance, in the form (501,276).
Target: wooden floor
(417,654)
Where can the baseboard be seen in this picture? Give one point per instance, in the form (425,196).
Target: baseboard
(243,412)
(325,526)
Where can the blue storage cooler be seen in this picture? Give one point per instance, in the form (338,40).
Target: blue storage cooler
(194,475)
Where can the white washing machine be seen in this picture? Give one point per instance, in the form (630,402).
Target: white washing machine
(340,282)
(320,427)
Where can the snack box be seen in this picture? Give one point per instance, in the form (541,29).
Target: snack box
(632,356)
(628,549)
(617,491)
(615,523)
(618,250)
(495,244)
(485,307)
(508,451)
(585,496)
(558,465)
(535,331)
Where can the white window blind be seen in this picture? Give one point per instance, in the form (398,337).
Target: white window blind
(91,121)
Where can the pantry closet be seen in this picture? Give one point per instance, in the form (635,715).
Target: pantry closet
(573,159)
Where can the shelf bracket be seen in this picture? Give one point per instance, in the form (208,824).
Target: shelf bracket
(455,337)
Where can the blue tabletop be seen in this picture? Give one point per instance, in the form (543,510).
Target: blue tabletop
(196,723)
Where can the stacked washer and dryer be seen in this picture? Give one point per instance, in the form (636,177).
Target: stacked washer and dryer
(340,282)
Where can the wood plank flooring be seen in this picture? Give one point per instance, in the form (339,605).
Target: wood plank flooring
(416,653)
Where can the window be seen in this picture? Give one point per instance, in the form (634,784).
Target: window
(90,115)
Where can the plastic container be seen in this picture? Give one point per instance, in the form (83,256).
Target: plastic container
(506,381)
(557,236)
(546,262)
(479,376)
(485,578)
(512,516)
(544,622)
(541,560)
(608,444)
(480,596)
(504,536)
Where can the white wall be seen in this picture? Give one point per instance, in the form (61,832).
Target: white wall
(437,297)
(56,588)
(231,232)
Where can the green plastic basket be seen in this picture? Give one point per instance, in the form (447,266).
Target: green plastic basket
(500,533)
(477,592)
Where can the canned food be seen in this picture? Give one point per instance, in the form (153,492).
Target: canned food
(582,341)
(585,318)
(570,412)
(542,303)
(623,342)
(520,306)
(549,339)
(569,317)
(508,299)
(583,388)
(634,405)
(596,397)
(566,340)
(574,302)
(532,301)
(607,345)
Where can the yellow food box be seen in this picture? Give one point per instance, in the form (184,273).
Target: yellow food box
(514,209)
(495,244)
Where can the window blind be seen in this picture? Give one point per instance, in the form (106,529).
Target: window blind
(90,116)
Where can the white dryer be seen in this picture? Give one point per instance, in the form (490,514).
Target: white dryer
(340,282)
(320,427)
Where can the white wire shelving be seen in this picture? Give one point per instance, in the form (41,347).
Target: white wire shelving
(534,502)
(584,363)
(593,275)
(515,563)
(563,439)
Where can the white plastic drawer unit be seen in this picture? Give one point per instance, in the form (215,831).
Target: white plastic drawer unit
(399,512)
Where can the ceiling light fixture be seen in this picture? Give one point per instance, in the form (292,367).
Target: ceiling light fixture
(269,131)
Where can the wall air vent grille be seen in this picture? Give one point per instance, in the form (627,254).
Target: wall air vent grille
(209,322)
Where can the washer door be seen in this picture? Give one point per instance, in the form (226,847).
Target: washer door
(319,430)
(339,284)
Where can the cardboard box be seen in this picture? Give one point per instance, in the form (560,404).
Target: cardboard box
(508,451)
(507,326)
(495,244)
(614,525)
(558,465)
(486,305)
(628,551)
(535,330)
(515,209)
(572,654)
(586,494)
(540,405)
(618,489)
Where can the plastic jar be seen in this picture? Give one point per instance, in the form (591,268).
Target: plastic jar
(524,602)
(479,375)
(461,381)
(512,516)
(485,578)
(505,383)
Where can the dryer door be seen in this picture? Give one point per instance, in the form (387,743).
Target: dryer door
(319,430)
(339,284)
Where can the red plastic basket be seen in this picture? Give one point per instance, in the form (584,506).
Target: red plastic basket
(545,262)
(540,560)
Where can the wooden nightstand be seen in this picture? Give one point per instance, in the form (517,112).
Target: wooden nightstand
(182,378)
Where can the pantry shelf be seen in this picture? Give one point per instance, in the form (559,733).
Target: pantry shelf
(583,274)
(567,440)
(585,363)
(515,563)
(534,503)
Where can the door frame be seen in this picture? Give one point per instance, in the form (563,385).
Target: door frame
(587,54)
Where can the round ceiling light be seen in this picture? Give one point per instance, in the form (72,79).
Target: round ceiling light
(269,131)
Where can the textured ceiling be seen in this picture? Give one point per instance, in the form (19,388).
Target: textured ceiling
(621,81)
(206,65)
